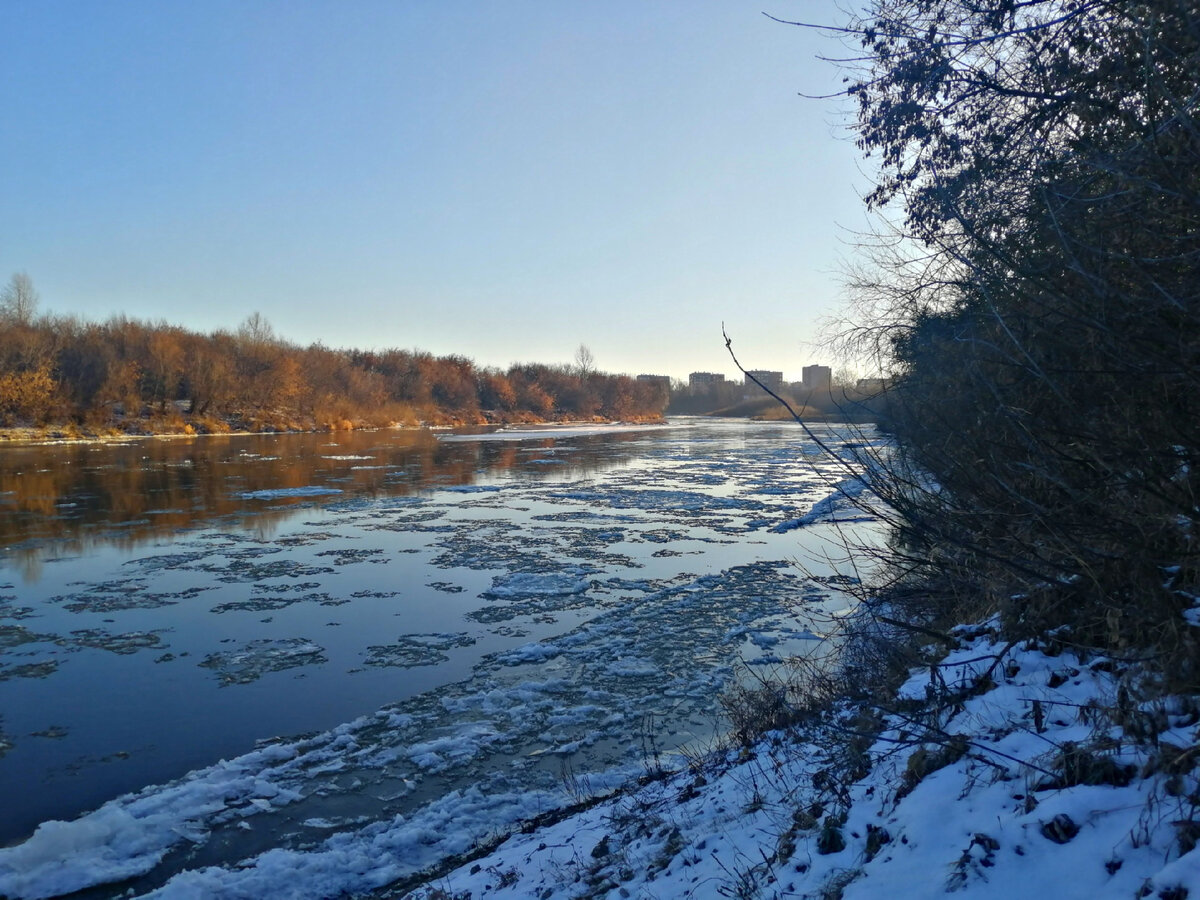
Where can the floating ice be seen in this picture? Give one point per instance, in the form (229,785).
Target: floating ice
(530,653)
(254,659)
(541,432)
(129,836)
(130,642)
(590,652)
(412,650)
(534,584)
(843,505)
(281,493)
(632,668)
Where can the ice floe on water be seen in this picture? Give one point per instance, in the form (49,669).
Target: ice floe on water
(534,584)
(580,617)
(417,650)
(126,838)
(252,660)
(541,432)
(843,504)
(283,493)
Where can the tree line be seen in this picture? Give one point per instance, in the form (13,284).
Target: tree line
(135,375)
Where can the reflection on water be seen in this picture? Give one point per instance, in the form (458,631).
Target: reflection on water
(445,618)
(58,499)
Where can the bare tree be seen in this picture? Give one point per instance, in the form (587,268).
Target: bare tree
(256,329)
(585,362)
(19,300)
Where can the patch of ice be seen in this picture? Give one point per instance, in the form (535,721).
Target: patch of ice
(353,863)
(536,584)
(283,493)
(530,653)
(632,668)
(541,432)
(254,659)
(843,505)
(129,836)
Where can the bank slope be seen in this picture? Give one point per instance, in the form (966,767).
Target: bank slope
(1000,772)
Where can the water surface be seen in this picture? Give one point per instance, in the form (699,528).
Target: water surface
(442,614)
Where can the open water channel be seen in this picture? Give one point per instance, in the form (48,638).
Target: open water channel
(225,661)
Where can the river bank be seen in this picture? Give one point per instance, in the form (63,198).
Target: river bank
(185,428)
(996,767)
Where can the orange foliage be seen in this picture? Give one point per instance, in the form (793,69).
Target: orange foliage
(121,370)
(27,397)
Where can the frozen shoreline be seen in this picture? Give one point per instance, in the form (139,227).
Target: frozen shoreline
(54,435)
(985,807)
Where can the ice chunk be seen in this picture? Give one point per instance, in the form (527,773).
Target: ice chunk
(535,584)
(840,506)
(254,659)
(107,845)
(280,493)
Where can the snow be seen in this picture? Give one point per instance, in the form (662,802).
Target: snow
(989,825)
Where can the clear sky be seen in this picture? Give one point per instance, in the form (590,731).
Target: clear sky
(502,180)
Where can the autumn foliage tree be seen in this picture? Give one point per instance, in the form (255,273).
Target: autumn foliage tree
(128,373)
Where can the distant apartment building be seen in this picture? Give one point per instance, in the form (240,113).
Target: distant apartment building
(664,380)
(817,378)
(705,379)
(770,380)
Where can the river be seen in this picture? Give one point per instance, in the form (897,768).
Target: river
(232,648)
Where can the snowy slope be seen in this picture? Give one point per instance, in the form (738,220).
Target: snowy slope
(1013,816)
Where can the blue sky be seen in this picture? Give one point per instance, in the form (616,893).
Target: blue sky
(503,180)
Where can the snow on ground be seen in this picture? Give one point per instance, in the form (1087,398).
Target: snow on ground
(1027,792)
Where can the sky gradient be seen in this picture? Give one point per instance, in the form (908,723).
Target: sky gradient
(503,181)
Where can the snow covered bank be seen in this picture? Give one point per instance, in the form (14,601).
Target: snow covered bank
(1022,787)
